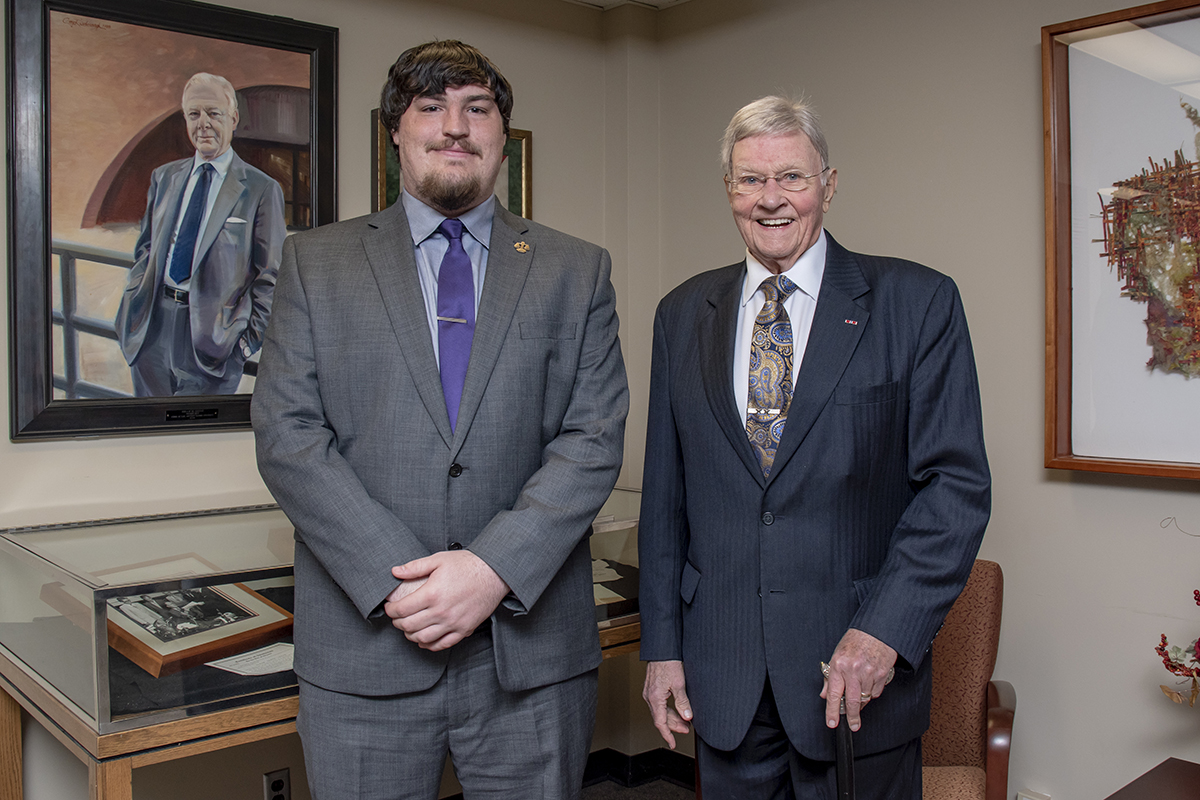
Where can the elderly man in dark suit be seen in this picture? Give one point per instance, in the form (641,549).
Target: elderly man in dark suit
(440,411)
(198,297)
(815,487)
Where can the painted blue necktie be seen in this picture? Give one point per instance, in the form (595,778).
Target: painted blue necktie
(189,229)
(456,316)
(770,372)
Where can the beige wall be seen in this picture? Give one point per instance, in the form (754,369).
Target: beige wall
(933,110)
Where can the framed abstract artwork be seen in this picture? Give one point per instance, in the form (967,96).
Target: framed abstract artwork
(1121,103)
(110,103)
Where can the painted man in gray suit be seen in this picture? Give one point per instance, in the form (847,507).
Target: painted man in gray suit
(198,296)
(816,487)
(443,486)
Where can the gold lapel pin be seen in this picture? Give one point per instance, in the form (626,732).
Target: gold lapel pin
(521,247)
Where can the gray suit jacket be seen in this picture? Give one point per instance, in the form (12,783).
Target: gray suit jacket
(233,274)
(871,518)
(355,444)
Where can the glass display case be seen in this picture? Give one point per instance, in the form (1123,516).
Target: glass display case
(615,560)
(132,623)
(138,622)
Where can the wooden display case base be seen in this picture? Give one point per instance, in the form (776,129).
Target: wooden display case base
(111,758)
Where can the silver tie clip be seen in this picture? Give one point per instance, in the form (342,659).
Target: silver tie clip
(451,319)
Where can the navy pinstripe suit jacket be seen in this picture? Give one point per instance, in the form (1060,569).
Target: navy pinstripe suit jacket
(871,519)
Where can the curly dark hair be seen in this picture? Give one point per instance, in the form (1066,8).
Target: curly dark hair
(430,68)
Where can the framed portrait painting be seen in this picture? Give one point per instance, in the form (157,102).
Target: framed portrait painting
(1121,99)
(161,152)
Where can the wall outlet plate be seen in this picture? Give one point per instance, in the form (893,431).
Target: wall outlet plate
(277,785)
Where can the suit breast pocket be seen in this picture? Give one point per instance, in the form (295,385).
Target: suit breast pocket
(541,366)
(866,395)
(548,330)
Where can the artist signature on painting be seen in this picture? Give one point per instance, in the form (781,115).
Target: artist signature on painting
(78,22)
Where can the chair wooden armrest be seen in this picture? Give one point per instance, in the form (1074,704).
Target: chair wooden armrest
(1002,704)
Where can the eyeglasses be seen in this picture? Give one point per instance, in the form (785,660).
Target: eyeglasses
(788,181)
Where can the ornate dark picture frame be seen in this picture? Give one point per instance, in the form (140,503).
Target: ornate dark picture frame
(1070,347)
(36,412)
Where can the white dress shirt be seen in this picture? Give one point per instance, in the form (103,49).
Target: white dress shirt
(800,305)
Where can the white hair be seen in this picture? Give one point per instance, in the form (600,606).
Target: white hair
(217,82)
(771,116)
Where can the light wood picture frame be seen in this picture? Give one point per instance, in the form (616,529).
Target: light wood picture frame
(1108,82)
(166,632)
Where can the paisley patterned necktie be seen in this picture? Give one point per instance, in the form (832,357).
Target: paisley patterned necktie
(770,372)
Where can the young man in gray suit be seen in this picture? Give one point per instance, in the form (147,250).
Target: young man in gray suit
(198,298)
(816,487)
(440,410)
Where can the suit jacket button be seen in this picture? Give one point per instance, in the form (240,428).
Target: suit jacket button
(455,546)
(768,518)
(455,470)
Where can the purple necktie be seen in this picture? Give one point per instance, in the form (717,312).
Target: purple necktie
(189,229)
(456,316)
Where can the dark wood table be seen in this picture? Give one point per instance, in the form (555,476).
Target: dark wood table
(1173,779)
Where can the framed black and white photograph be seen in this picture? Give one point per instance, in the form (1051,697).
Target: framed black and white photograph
(176,615)
(168,631)
(137,297)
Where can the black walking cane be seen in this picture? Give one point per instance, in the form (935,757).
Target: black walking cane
(845,744)
(845,749)
(845,757)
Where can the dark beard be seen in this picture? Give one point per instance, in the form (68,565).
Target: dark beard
(447,195)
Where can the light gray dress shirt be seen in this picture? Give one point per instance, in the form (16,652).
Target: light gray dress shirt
(430,247)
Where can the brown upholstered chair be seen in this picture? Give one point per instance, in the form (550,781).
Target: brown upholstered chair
(965,750)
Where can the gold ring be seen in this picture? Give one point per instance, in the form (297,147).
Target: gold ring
(864,696)
(891,674)
(824,669)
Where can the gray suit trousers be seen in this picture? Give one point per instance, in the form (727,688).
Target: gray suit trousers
(504,745)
